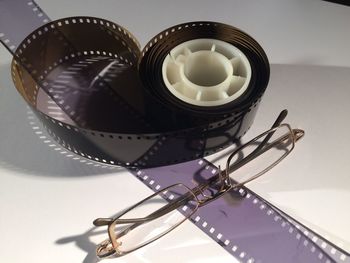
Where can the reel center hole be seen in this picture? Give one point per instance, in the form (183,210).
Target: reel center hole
(207,68)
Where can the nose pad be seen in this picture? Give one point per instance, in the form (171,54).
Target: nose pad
(206,195)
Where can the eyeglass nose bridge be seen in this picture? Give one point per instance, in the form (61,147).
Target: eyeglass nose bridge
(208,199)
(225,185)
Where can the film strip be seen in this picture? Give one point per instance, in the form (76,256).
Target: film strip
(110,102)
(29,17)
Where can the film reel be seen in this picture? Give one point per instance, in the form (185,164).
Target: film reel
(108,101)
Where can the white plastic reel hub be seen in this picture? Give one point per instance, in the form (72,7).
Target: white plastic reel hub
(206,72)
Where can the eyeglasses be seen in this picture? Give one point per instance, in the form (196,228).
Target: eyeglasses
(161,212)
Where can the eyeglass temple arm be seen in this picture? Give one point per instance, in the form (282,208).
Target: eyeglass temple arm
(297,135)
(156,214)
(280,118)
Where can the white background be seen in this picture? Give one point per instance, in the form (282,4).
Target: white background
(48,200)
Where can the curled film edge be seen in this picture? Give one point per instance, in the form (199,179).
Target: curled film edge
(100,96)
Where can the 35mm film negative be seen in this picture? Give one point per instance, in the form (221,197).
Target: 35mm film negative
(193,90)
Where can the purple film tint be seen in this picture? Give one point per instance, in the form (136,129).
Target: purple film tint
(18,18)
(243,223)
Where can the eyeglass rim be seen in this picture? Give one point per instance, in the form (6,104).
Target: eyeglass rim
(115,251)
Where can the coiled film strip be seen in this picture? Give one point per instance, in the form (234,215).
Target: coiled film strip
(101,97)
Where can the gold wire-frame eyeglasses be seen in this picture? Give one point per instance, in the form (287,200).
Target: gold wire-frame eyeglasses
(162,209)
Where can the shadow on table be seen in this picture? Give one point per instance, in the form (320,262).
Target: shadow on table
(84,242)
(21,148)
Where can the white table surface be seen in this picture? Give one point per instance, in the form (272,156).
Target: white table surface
(48,200)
